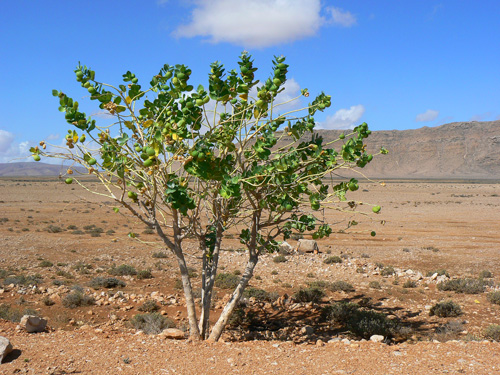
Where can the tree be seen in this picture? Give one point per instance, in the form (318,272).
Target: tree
(202,162)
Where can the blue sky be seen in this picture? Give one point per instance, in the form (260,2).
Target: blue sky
(393,64)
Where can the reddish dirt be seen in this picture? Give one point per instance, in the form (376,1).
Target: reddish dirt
(428,226)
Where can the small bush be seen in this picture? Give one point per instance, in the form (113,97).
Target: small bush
(333,259)
(450,330)
(192,273)
(485,274)
(226,281)
(160,254)
(260,295)
(77,299)
(47,301)
(274,272)
(468,286)
(237,272)
(446,309)
(340,286)
(53,229)
(367,323)
(388,271)
(339,312)
(279,259)
(14,315)
(410,284)
(494,297)
(309,295)
(45,263)
(149,306)
(24,280)
(106,282)
(65,274)
(318,284)
(178,284)
(374,285)
(492,332)
(151,323)
(144,274)
(123,270)
(82,268)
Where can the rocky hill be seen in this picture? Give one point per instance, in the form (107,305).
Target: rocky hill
(460,150)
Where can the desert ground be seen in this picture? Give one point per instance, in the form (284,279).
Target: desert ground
(57,239)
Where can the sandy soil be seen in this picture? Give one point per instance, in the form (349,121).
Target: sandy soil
(428,226)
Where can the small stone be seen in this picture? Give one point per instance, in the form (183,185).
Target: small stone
(307,330)
(320,343)
(346,341)
(5,347)
(32,323)
(173,333)
(377,338)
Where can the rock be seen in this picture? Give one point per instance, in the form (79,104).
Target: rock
(173,333)
(286,248)
(320,343)
(5,347)
(307,330)
(377,338)
(434,276)
(32,323)
(307,246)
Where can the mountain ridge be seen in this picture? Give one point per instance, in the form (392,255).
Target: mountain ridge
(458,150)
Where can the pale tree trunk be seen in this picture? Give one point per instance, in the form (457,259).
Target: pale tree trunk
(235,298)
(194,332)
(207,285)
(176,248)
(253,258)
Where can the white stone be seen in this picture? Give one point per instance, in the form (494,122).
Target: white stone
(5,347)
(377,338)
(173,333)
(32,323)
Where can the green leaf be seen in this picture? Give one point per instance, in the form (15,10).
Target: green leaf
(116,209)
(55,93)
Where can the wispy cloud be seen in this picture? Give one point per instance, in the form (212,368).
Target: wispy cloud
(259,23)
(429,115)
(341,17)
(11,150)
(344,118)
(482,116)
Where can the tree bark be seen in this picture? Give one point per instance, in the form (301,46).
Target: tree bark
(194,332)
(208,280)
(235,299)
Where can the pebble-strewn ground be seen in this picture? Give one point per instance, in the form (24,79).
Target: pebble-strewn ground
(66,238)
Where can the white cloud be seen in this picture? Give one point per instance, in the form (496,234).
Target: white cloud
(253,23)
(429,115)
(52,137)
(344,118)
(482,116)
(6,139)
(10,150)
(340,17)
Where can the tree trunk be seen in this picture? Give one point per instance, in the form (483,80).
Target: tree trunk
(235,298)
(208,280)
(194,333)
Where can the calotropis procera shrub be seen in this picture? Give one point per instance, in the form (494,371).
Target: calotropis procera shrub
(195,161)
